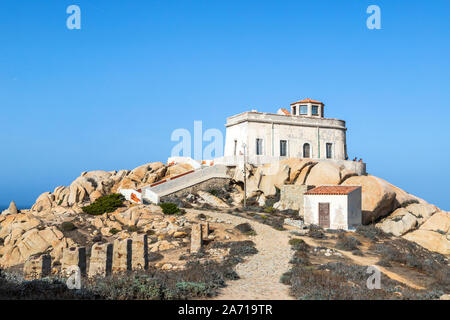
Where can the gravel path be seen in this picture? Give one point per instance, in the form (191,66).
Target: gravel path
(260,273)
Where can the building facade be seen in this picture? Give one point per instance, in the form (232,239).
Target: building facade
(302,132)
(333,207)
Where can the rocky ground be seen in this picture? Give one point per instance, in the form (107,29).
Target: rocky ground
(57,221)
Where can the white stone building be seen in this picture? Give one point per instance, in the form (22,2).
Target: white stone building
(333,207)
(302,132)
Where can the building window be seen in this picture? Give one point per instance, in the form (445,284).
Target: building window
(315,110)
(259,147)
(303,109)
(306,150)
(293,110)
(235,147)
(329,152)
(283,148)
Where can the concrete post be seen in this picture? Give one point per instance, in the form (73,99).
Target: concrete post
(205,230)
(139,253)
(122,255)
(196,238)
(74,256)
(101,260)
(37,267)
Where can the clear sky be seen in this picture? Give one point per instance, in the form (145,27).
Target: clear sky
(108,96)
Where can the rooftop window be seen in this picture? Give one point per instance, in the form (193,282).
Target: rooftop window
(303,109)
(315,110)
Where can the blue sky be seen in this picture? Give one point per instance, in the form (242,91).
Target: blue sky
(108,96)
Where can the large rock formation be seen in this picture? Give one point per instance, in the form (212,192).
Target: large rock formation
(324,173)
(378,198)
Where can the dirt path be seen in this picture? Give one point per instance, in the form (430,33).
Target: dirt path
(368,261)
(260,273)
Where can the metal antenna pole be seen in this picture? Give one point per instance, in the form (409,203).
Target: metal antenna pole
(245,177)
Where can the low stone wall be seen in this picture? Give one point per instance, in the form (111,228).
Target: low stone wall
(213,183)
(358,167)
(291,197)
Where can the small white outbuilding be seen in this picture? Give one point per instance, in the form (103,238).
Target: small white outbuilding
(333,207)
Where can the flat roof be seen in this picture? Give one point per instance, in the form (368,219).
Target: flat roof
(332,190)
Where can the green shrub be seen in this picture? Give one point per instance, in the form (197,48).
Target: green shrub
(169,208)
(67,226)
(245,228)
(295,241)
(191,288)
(269,209)
(347,243)
(299,245)
(105,204)
(114,231)
(132,229)
(214,192)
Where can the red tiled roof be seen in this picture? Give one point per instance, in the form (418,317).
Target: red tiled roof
(332,190)
(285,111)
(307,101)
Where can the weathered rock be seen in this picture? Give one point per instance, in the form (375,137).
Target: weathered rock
(431,240)
(13,208)
(212,200)
(178,168)
(44,202)
(346,173)
(304,172)
(324,173)
(139,253)
(273,176)
(95,195)
(196,238)
(101,260)
(73,257)
(131,216)
(439,222)
(399,222)
(422,211)
(377,197)
(179,234)
(139,173)
(122,255)
(296,165)
(34,242)
(37,267)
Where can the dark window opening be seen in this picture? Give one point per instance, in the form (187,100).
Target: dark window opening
(258,147)
(283,148)
(306,150)
(315,110)
(329,151)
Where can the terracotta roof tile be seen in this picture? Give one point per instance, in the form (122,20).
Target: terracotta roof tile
(285,111)
(307,101)
(332,190)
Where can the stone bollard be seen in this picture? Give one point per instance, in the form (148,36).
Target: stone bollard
(74,256)
(139,253)
(37,267)
(101,260)
(121,255)
(205,230)
(196,238)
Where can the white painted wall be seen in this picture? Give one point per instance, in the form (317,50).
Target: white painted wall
(354,208)
(345,210)
(127,194)
(296,130)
